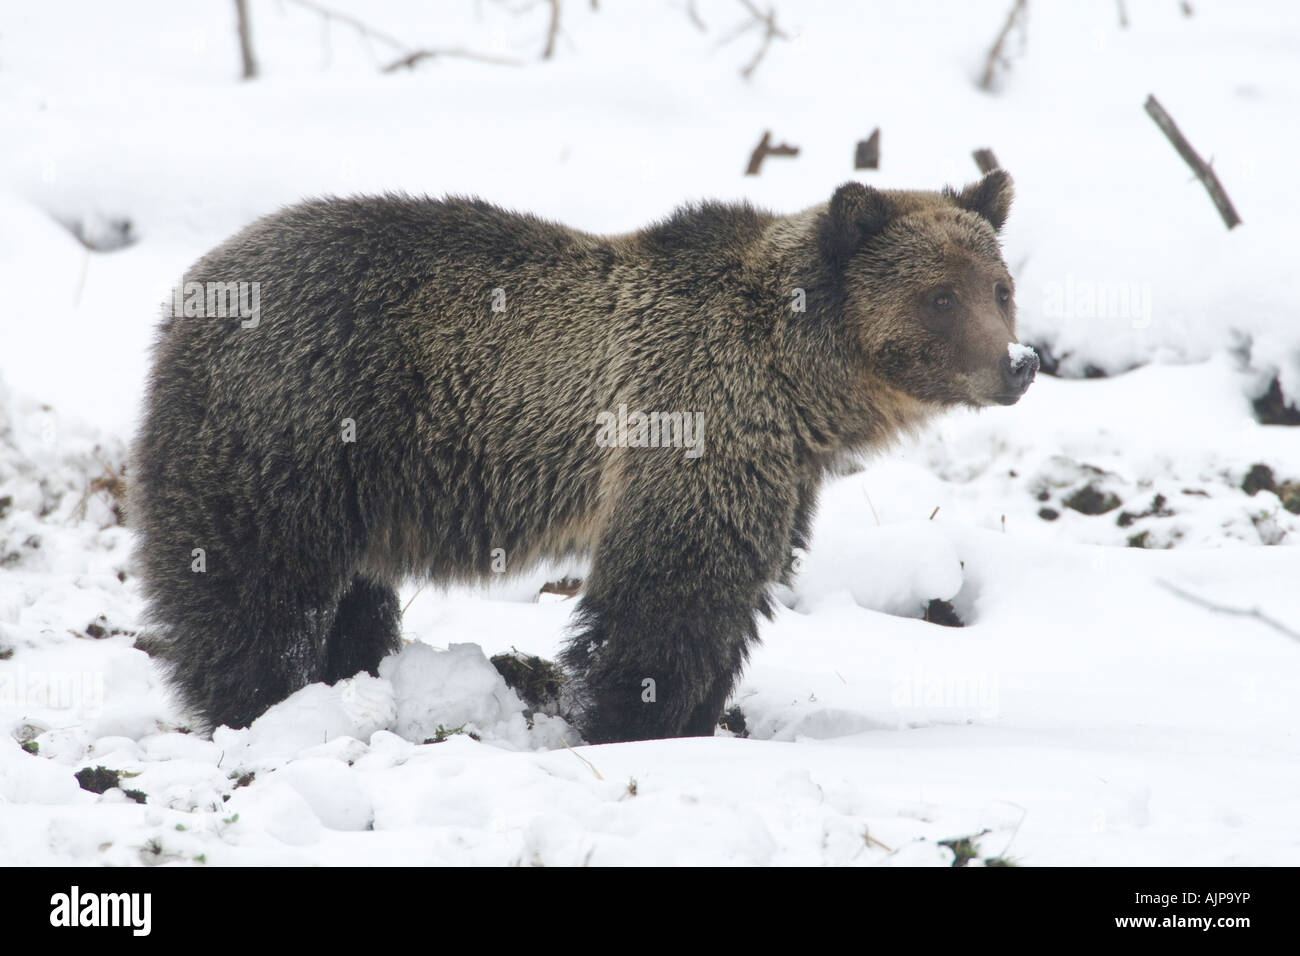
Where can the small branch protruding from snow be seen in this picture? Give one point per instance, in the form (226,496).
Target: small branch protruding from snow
(416,56)
(245,27)
(367,31)
(996,57)
(765,149)
(552,30)
(693,15)
(868,152)
(408,58)
(1203,170)
(1251,612)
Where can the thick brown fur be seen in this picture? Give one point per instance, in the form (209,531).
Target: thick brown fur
(476,429)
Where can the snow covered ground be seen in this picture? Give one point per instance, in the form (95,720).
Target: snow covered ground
(1100,705)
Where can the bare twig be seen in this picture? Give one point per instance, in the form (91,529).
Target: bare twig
(412,598)
(245,27)
(582,758)
(765,149)
(871,506)
(985,160)
(553,30)
(771,31)
(694,16)
(364,29)
(1204,172)
(1251,612)
(868,152)
(995,57)
(872,841)
(408,58)
(416,56)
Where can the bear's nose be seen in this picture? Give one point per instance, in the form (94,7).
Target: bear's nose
(1017,373)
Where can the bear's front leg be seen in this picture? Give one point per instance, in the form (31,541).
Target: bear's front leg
(678,577)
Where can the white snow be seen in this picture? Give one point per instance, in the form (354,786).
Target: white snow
(1019,354)
(1090,711)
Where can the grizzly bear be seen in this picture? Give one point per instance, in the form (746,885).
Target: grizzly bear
(351,392)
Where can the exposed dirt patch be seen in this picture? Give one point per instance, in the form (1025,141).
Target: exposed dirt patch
(943,613)
(1092,500)
(537,681)
(1272,408)
(733,719)
(100,779)
(1157,509)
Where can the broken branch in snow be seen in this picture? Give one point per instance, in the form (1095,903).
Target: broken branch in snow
(1252,612)
(411,59)
(985,160)
(765,149)
(868,154)
(245,28)
(582,758)
(553,30)
(1203,170)
(995,57)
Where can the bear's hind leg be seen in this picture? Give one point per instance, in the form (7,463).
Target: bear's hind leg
(366,628)
(235,648)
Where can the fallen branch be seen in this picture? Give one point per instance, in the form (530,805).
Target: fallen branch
(995,56)
(416,56)
(765,149)
(1204,172)
(1251,612)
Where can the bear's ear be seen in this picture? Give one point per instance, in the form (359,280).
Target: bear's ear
(990,197)
(855,214)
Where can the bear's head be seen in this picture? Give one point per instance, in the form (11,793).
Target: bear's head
(925,293)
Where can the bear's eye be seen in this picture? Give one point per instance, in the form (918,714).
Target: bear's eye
(942,300)
(1003,294)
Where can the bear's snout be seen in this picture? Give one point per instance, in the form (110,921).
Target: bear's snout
(1018,371)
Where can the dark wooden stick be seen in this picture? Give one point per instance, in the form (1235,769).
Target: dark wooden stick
(765,149)
(985,160)
(1204,172)
(552,31)
(245,27)
(868,154)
